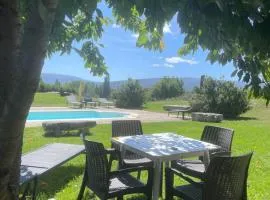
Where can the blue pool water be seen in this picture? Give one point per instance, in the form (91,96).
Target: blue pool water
(57,115)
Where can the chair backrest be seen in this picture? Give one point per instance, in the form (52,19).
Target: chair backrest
(97,167)
(218,136)
(126,128)
(226,178)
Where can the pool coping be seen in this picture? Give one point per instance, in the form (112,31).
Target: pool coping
(144,116)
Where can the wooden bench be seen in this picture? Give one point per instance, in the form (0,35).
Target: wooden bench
(44,159)
(177,109)
(60,128)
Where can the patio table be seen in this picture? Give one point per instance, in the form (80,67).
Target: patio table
(164,147)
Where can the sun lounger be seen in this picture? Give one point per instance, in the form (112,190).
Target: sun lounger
(104,101)
(40,161)
(177,109)
(73,103)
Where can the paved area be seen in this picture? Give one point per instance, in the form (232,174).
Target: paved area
(144,116)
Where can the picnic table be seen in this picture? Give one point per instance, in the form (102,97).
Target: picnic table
(164,147)
(44,159)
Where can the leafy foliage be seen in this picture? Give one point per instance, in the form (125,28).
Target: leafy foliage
(220,97)
(167,88)
(231,31)
(130,95)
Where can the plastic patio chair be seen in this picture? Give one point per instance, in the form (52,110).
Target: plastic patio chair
(225,179)
(211,134)
(106,184)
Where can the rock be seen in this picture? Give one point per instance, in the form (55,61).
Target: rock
(206,117)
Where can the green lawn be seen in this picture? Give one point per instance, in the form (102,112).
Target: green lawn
(49,100)
(157,106)
(251,134)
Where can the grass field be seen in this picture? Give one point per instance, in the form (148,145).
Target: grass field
(251,134)
(49,100)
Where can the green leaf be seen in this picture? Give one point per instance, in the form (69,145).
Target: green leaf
(142,39)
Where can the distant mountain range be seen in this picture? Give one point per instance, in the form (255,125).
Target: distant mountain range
(189,83)
(51,78)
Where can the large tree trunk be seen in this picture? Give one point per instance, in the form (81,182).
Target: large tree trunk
(22,59)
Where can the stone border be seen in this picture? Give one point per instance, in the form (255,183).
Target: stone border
(206,117)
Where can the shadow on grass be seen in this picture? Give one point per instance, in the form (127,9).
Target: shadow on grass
(243,119)
(53,181)
(70,134)
(136,197)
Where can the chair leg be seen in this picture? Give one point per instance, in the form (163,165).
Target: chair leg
(26,190)
(110,163)
(80,195)
(148,196)
(139,175)
(35,188)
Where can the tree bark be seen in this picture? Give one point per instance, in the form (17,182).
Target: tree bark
(22,59)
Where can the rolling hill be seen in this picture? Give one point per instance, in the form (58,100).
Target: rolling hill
(189,83)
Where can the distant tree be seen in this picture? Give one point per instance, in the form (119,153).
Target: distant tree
(130,95)
(42,86)
(106,87)
(57,86)
(90,89)
(220,97)
(81,92)
(168,87)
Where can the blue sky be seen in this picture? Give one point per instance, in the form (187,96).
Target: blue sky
(125,60)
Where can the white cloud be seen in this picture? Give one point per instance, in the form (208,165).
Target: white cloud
(135,35)
(168,65)
(167,28)
(156,65)
(176,60)
(116,26)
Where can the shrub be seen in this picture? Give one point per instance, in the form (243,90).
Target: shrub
(220,97)
(130,95)
(167,88)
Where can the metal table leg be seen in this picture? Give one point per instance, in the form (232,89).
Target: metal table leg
(157,178)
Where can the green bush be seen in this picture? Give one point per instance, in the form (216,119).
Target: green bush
(220,97)
(167,88)
(130,95)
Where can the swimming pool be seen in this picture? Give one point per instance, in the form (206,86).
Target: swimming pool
(72,115)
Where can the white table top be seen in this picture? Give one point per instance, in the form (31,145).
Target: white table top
(163,146)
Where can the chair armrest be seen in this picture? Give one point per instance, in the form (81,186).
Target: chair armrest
(173,172)
(221,153)
(113,152)
(131,169)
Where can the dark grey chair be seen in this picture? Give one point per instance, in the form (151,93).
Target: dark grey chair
(128,128)
(225,179)
(211,134)
(106,184)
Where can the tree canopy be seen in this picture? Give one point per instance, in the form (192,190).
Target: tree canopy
(229,30)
